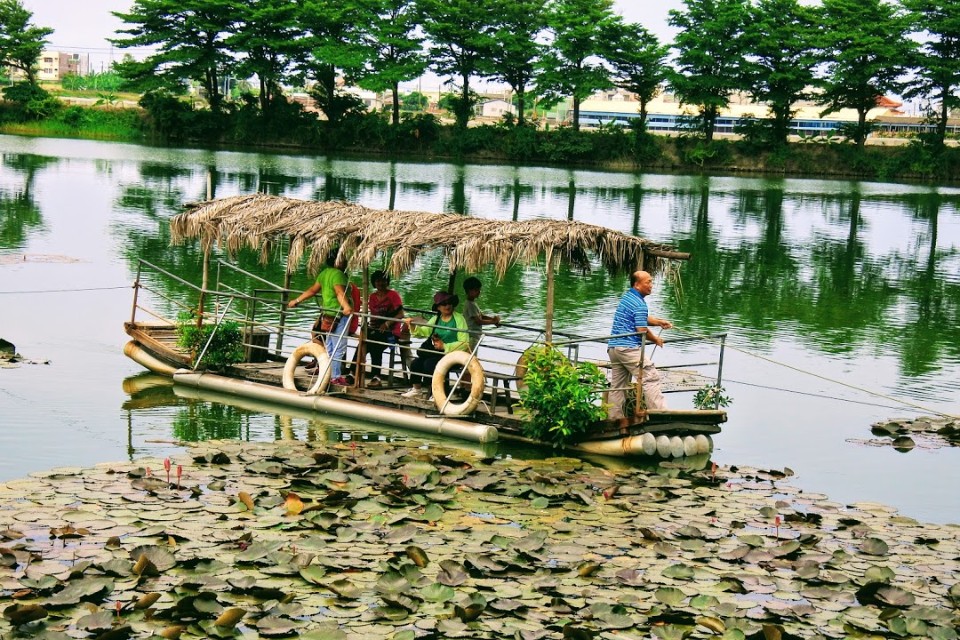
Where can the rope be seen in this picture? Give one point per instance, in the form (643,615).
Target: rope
(825,378)
(126,286)
(808,393)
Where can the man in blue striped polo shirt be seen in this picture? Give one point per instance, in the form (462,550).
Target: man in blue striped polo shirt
(625,353)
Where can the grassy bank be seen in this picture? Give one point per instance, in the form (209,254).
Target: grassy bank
(423,136)
(117,124)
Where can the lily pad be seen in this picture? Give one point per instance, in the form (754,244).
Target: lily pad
(875,547)
(670,596)
(437,592)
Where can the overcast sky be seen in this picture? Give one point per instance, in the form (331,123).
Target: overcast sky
(82,26)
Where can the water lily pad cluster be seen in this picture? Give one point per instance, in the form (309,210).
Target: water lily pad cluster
(10,359)
(376,540)
(933,431)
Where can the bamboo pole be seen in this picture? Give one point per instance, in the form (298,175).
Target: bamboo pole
(206,260)
(550,289)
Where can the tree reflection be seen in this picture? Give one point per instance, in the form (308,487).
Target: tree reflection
(457,202)
(932,319)
(754,266)
(19,212)
(201,421)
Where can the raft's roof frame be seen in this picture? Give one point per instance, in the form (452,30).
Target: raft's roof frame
(366,235)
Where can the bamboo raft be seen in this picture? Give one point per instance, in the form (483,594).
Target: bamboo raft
(264,220)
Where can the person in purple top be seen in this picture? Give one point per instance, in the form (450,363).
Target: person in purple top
(632,317)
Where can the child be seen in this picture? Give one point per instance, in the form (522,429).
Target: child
(471,311)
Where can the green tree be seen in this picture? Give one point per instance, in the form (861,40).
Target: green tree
(864,52)
(572,66)
(393,52)
(20,41)
(779,58)
(190,41)
(515,57)
(448,102)
(938,61)
(638,60)
(709,56)
(266,31)
(461,44)
(414,101)
(332,50)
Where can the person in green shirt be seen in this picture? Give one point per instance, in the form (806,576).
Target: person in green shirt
(447,331)
(331,284)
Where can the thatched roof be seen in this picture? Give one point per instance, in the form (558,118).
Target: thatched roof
(367,236)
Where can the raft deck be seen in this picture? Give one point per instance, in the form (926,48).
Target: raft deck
(498,406)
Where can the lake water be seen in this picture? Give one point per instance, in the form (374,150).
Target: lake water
(840,298)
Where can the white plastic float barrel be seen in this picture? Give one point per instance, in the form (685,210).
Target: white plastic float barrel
(663,446)
(676,447)
(649,443)
(689,446)
(478,381)
(704,443)
(644,444)
(338,406)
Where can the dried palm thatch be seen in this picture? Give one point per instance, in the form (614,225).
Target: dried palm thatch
(365,235)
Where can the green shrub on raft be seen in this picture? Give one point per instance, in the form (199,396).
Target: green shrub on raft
(563,399)
(226,347)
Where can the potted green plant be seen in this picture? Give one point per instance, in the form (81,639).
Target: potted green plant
(563,399)
(225,347)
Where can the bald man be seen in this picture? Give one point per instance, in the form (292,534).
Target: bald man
(632,317)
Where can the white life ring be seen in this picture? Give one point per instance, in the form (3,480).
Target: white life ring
(478,381)
(319,352)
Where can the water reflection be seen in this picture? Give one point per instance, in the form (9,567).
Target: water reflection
(832,285)
(198,415)
(860,281)
(19,212)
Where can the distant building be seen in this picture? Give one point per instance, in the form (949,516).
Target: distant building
(495,108)
(53,66)
(372,100)
(666,115)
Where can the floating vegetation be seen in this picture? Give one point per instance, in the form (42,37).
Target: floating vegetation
(14,360)
(374,540)
(933,431)
(37,257)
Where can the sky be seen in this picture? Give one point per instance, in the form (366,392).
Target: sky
(83,26)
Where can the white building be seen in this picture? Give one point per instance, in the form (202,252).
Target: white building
(52,66)
(495,108)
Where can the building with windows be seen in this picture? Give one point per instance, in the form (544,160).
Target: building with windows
(52,66)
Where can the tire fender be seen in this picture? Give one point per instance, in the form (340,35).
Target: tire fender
(478,381)
(319,352)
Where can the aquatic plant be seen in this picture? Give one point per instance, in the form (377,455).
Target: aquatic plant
(377,540)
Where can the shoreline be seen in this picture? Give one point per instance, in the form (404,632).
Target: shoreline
(895,160)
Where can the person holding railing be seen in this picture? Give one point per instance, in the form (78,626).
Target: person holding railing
(625,352)
(383,331)
(476,319)
(445,332)
(334,321)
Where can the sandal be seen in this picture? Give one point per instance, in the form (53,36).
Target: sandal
(375,383)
